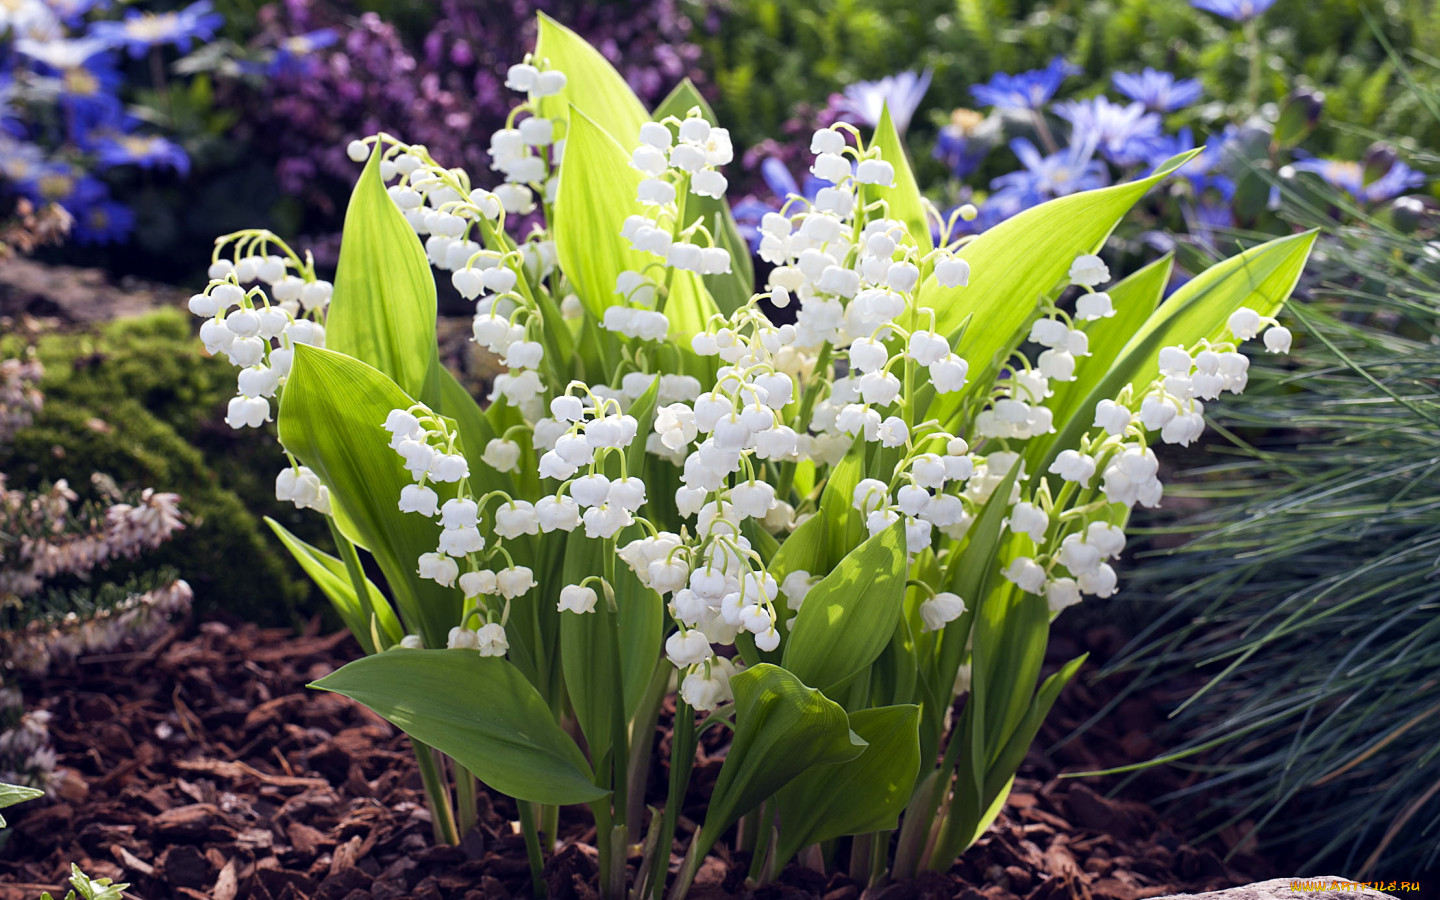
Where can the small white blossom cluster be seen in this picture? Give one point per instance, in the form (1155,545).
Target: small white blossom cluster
(524,152)
(1129,469)
(20,398)
(687,158)
(242,322)
(51,538)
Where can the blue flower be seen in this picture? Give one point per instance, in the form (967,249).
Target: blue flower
(21,162)
(783,186)
(748,213)
(62,183)
(140,31)
(1043,177)
(782,183)
(147,152)
(10,123)
(292,57)
(1159,91)
(1350,177)
(956,145)
(1122,134)
(1199,171)
(1028,90)
(902,92)
(1235,10)
(104,222)
(72,11)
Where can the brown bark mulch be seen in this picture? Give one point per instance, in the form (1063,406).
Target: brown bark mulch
(201,767)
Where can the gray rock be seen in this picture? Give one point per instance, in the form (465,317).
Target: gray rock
(1315,887)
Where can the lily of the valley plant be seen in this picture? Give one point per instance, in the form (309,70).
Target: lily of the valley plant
(820,533)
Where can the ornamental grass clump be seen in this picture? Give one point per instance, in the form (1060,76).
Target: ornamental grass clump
(819,508)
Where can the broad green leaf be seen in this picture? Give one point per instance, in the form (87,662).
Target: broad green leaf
(803,550)
(1011,629)
(1015,263)
(969,575)
(843,525)
(332,578)
(1260,278)
(866,794)
(643,410)
(733,290)
(11,794)
(904,198)
(332,416)
(782,728)
(383,311)
(479,711)
(1000,777)
(1008,760)
(588,642)
(848,618)
(591,84)
(597,192)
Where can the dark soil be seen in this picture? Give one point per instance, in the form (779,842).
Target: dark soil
(202,767)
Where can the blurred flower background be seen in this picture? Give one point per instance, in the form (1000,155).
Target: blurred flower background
(146,128)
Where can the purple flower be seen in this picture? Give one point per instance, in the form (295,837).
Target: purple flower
(1028,90)
(902,93)
(139,31)
(1350,177)
(1070,170)
(150,152)
(1159,91)
(1235,10)
(1123,134)
(105,222)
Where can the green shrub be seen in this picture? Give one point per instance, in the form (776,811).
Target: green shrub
(770,55)
(138,400)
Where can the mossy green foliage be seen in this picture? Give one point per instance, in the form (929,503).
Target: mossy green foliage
(767,56)
(139,400)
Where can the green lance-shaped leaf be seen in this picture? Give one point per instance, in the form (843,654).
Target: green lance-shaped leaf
(11,794)
(1015,263)
(587,642)
(1260,278)
(332,416)
(866,794)
(1011,629)
(383,311)
(848,618)
(904,198)
(597,192)
(782,728)
(969,574)
(591,84)
(977,803)
(479,711)
(732,290)
(330,575)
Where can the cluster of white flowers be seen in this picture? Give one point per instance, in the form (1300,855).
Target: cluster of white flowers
(241,323)
(1083,544)
(857,367)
